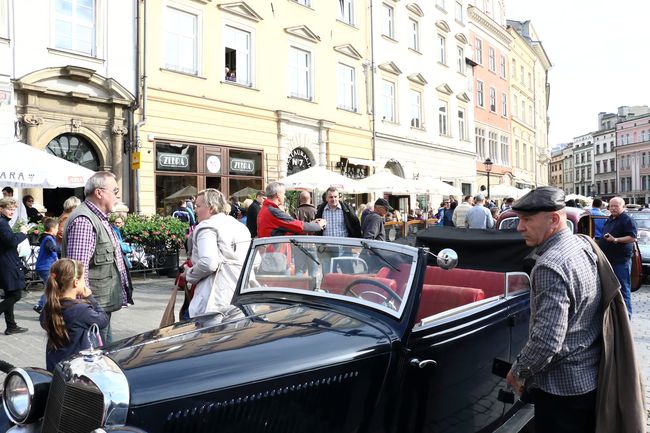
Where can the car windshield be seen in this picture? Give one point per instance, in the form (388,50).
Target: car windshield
(376,274)
(642,219)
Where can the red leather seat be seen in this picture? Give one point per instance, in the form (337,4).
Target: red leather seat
(437,298)
(492,283)
(336,283)
(288,281)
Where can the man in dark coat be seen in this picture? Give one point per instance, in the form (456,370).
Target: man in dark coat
(253,211)
(12,276)
(305,212)
(373,223)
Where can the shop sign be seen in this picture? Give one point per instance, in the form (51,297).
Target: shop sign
(174,161)
(135,160)
(242,165)
(213,164)
(298,161)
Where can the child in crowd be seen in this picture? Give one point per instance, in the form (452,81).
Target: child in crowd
(69,312)
(47,254)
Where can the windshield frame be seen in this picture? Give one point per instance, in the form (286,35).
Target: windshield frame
(351,242)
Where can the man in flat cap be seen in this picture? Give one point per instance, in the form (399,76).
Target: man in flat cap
(559,363)
(373,224)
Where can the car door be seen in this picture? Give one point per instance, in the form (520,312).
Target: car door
(449,385)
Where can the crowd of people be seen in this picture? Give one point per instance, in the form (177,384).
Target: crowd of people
(84,265)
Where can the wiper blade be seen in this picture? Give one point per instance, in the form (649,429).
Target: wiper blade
(376,252)
(305,251)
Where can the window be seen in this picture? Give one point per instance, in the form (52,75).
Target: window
(597,167)
(346,95)
(605,166)
(300,74)
(493,99)
(492,64)
(504,105)
(530,81)
(505,150)
(514,69)
(181,41)
(523,111)
(416,109)
(461,60)
(517,154)
(304,2)
(478,51)
(443,49)
(502,69)
(521,74)
(597,149)
(443,120)
(460,13)
(74,25)
(238,55)
(525,156)
(388,24)
(514,106)
(440,4)
(462,126)
(480,143)
(346,11)
(414,43)
(388,100)
(479,94)
(492,142)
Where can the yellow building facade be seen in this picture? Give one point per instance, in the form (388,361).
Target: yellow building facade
(237,94)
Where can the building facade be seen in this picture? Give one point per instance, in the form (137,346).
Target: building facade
(491,44)
(633,159)
(422,109)
(556,168)
(583,153)
(69,90)
(568,165)
(605,163)
(263,107)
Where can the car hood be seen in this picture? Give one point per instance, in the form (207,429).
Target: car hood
(265,341)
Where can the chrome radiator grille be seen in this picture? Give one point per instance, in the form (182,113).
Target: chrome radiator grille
(72,407)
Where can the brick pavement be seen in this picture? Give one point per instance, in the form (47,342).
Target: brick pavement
(151,296)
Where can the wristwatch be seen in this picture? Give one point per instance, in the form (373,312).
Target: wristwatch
(615,240)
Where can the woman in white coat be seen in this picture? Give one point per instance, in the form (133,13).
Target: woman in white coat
(219,245)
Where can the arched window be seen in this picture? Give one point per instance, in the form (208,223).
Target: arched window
(76,149)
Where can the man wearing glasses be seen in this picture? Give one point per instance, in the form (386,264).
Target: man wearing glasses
(89,238)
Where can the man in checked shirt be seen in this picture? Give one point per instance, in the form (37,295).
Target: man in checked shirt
(559,363)
(89,238)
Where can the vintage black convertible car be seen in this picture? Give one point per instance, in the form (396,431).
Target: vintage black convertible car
(324,335)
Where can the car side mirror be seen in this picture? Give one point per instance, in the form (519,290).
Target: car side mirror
(447,259)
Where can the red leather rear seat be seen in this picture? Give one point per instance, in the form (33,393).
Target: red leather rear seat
(492,283)
(285,281)
(336,283)
(437,298)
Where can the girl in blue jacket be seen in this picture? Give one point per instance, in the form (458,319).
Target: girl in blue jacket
(69,312)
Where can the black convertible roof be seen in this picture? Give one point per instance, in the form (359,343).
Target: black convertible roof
(488,250)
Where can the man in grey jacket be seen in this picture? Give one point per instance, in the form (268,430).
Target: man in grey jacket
(560,360)
(373,224)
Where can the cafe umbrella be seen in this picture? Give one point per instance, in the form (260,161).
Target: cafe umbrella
(25,166)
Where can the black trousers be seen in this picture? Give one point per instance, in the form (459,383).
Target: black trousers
(560,414)
(7,307)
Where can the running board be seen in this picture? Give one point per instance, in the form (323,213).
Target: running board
(518,421)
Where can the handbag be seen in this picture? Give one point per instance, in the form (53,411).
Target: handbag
(168,317)
(24,249)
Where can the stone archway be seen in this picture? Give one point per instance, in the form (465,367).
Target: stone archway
(395,167)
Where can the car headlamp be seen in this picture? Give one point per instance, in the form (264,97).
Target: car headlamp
(25,394)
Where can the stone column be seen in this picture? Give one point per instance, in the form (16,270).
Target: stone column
(32,123)
(117,143)
(323,141)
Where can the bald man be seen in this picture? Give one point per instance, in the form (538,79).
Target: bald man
(305,211)
(619,233)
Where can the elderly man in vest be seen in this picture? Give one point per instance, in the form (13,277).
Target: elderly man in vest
(89,238)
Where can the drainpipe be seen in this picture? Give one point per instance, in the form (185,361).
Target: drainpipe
(372,87)
(141,91)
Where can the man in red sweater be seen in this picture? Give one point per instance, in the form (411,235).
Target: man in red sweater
(273,221)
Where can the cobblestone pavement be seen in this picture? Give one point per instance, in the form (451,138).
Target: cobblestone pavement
(151,296)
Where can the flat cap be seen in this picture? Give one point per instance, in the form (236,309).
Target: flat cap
(542,199)
(383,202)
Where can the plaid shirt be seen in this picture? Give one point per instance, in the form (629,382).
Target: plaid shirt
(81,245)
(335,222)
(563,349)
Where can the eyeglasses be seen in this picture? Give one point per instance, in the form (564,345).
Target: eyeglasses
(114,191)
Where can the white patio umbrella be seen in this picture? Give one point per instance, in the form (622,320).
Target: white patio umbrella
(505,191)
(320,178)
(24,166)
(579,197)
(435,186)
(387,182)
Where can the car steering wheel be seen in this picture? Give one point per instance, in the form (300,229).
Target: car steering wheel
(392,295)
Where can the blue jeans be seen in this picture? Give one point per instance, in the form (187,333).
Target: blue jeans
(622,271)
(43,275)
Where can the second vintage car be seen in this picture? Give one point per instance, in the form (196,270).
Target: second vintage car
(383,338)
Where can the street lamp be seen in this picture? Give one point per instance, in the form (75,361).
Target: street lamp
(488,168)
